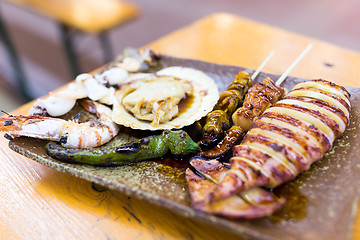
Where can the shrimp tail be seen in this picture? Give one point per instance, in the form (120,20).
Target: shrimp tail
(30,126)
(7,124)
(89,106)
(15,123)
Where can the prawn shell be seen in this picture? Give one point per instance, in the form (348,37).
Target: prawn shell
(205,96)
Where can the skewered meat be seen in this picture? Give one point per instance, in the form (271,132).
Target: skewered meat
(259,97)
(287,138)
(231,136)
(230,100)
(218,120)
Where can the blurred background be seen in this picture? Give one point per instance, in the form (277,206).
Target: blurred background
(38,41)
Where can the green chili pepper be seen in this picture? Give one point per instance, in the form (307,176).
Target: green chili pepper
(177,142)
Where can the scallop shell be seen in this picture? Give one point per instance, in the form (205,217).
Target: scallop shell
(205,96)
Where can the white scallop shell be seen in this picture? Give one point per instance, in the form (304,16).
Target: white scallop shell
(205,96)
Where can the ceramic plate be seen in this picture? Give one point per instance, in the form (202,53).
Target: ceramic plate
(321,202)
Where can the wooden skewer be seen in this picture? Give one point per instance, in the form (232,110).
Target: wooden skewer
(293,65)
(262,65)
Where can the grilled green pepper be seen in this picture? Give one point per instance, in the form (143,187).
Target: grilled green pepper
(178,143)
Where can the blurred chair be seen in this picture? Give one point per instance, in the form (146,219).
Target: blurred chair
(14,61)
(84,16)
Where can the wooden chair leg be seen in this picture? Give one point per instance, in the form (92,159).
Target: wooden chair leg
(69,49)
(15,62)
(106,46)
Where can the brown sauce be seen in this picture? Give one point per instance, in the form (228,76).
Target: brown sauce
(173,170)
(180,164)
(185,103)
(295,207)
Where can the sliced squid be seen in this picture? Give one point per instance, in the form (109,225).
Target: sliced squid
(253,203)
(289,137)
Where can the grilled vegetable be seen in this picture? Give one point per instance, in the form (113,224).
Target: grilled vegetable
(218,120)
(177,142)
(287,138)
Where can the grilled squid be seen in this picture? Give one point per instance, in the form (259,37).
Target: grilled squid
(288,137)
(203,177)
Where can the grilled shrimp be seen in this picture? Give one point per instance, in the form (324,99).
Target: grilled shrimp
(71,133)
(287,138)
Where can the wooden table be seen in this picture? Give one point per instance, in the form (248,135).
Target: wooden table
(41,203)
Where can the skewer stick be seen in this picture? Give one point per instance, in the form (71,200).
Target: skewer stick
(293,65)
(262,65)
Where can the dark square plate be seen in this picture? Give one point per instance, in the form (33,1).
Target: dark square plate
(321,203)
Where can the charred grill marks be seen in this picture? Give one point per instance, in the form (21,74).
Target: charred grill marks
(287,138)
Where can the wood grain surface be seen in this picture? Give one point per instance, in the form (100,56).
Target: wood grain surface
(40,203)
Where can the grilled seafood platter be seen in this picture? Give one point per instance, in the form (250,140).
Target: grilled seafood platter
(238,145)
